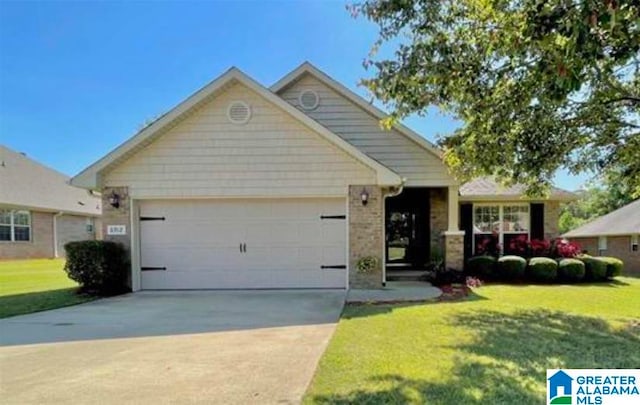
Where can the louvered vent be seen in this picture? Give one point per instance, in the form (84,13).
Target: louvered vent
(309,99)
(239,112)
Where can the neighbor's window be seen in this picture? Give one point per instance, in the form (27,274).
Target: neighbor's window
(634,243)
(15,226)
(499,224)
(602,244)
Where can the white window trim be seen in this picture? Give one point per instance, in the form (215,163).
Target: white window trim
(634,242)
(602,244)
(501,219)
(12,227)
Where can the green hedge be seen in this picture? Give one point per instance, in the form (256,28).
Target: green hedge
(571,270)
(595,268)
(481,266)
(614,266)
(100,267)
(511,267)
(542,269)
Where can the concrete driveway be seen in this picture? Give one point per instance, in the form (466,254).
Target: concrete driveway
(222,347)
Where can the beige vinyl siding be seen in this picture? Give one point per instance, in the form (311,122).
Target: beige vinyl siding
(361,129)
(272,155)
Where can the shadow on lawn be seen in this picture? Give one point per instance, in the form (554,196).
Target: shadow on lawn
(507,361)
(19,304)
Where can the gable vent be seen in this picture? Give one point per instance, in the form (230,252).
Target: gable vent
(239,112)
(309,99)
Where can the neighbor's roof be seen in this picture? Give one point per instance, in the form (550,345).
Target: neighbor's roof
(487,188)
(90,177)
(623,221)
(25,183)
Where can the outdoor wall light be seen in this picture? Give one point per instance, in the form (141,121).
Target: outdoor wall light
(114,200)
(364,196)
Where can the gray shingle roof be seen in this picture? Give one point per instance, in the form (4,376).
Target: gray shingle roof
(488,187)
(27,183)
(623,221)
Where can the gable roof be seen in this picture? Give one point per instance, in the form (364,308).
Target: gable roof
(486,188)
(90,177)
(25,183)
(308,68)
(623,221)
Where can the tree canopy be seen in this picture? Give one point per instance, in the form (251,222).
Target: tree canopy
(539,85)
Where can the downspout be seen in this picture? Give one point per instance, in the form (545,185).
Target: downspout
(395,191)
(56,254)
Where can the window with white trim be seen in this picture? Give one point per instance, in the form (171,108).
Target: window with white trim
(499,224)
(602,245)
(15,226)
(634,243)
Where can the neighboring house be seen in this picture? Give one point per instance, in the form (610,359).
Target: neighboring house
(40,211)
(242,186)
(615,234)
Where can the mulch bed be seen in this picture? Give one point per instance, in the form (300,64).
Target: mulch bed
(454,292)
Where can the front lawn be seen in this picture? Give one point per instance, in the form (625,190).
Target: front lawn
(491,349)
(35,285)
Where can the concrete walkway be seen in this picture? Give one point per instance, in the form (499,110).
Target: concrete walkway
(395,291)
(237,347)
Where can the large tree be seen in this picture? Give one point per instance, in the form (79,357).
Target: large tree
(539,85)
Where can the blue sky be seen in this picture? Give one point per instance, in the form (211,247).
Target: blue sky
(79,78)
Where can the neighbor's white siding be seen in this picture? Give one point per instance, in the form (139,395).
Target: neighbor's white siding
(272,155)
(361,129)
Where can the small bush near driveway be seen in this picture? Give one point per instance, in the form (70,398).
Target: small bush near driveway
(595,268)
(614,266)
(100,267)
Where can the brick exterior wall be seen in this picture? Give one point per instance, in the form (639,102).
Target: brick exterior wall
(365,235)
(41,244)
(617,246)
(438,217)
(551,216)
(72,228)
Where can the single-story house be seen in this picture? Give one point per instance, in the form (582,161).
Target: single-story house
(615,234)
(40,211)
(244,186)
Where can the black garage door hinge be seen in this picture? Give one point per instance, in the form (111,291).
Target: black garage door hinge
(333,217)
(152,218)
(334,267)
(152,268)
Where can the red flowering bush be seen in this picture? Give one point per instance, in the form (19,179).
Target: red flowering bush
(566,249)
(540,248)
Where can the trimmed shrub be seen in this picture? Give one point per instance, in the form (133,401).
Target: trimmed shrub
(542,269)
(100,267)
(481,266)
(595,269)
(614,266)
(511,267)
(571,270)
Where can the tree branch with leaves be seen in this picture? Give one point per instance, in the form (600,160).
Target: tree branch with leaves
(539,85)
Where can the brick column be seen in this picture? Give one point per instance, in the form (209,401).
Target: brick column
(454,250)
(116,216)
(365,235)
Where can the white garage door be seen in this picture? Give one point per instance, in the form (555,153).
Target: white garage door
(250,243)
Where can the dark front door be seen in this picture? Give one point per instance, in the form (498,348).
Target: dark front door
(407,229)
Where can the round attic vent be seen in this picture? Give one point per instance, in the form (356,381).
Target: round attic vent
(239,112)
(309,99)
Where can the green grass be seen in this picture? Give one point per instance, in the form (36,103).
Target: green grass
(493,348)
(35,285)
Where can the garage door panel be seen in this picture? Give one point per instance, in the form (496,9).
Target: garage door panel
(287,243)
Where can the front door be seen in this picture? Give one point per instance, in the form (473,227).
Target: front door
(407,229)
